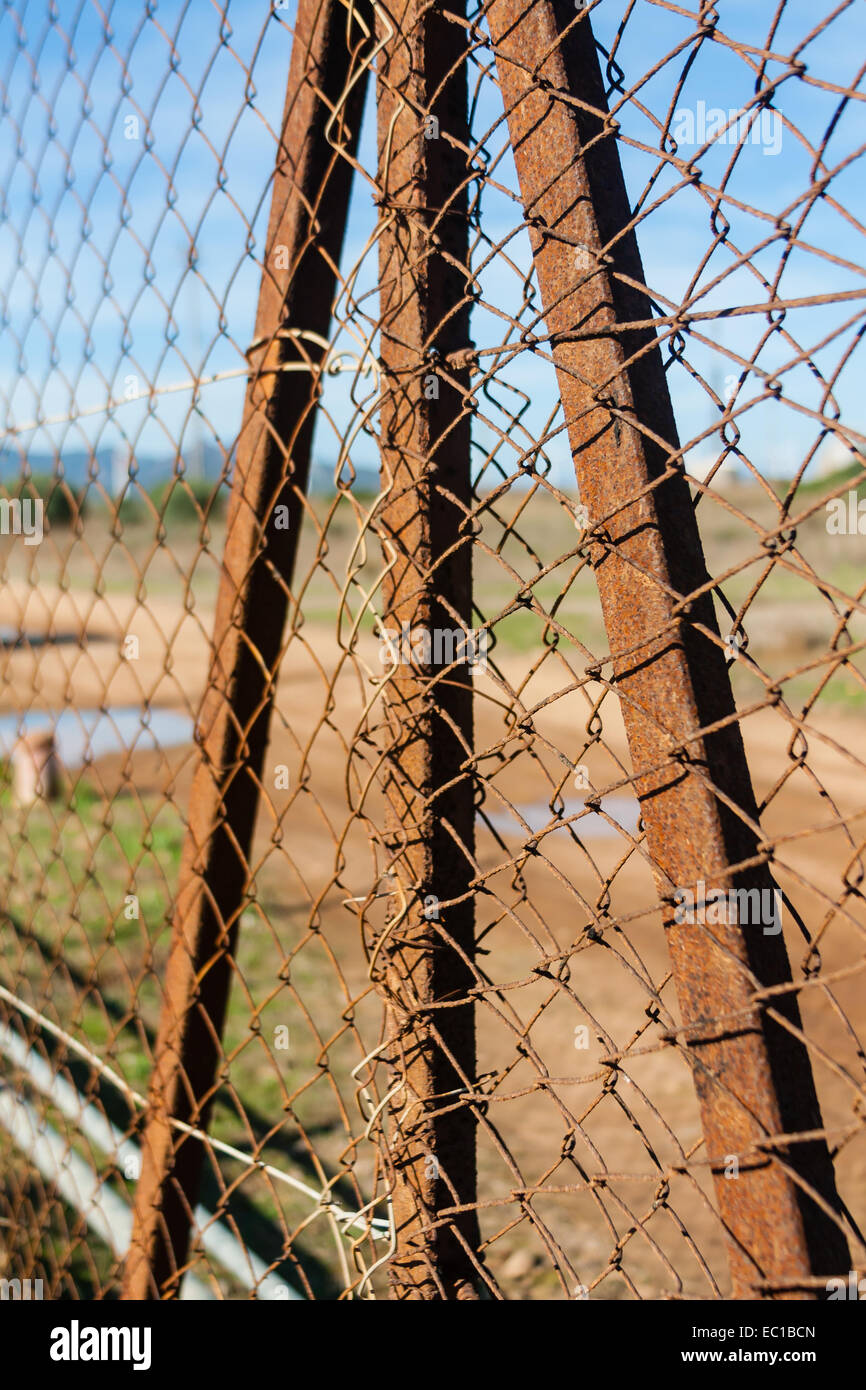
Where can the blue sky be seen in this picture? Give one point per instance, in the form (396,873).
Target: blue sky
(96,288)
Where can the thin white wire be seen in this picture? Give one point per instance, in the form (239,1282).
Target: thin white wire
(349,1219)
(246,1266)
(336,362)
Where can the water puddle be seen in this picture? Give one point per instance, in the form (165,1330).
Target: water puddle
(82,735)
(622,809)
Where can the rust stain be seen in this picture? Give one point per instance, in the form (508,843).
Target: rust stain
(753,1079)
(307,218)
(423,251)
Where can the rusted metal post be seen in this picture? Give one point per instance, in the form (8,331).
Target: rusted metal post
(305,233)
(753,1078)
(425,420)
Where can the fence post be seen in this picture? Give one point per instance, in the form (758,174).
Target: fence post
(752,1073)
(427,953)
(307,220)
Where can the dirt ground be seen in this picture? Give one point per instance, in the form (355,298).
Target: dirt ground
(614,1144)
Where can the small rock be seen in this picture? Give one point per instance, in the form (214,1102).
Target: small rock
(518,1265)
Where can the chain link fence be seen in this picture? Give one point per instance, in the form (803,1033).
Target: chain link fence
(432,700)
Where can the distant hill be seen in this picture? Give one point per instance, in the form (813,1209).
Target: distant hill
(824,482)
(151,471)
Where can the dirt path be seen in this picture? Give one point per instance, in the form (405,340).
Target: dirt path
(556,1122)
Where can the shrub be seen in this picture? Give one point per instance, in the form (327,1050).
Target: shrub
(187,499)
(64,504)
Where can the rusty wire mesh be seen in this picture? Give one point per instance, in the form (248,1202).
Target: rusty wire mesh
(138,160)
